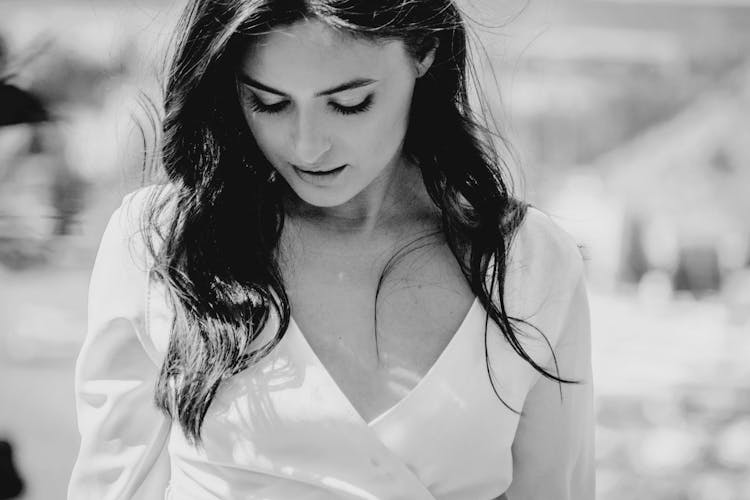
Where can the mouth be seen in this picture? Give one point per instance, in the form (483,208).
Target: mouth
(320,173)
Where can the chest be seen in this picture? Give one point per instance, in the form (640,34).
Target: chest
(377,322)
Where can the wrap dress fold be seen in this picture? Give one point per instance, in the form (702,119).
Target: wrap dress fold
(283,429)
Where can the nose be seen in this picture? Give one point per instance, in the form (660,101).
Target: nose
(310,139)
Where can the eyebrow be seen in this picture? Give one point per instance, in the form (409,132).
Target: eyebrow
(353,84)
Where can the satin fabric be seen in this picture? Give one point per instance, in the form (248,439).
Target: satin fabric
(283,429)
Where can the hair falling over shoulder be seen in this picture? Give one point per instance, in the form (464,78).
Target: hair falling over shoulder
(223,282)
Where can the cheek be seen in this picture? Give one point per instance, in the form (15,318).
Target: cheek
(388,127)
(268,135)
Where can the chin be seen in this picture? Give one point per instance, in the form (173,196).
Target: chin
(323,199)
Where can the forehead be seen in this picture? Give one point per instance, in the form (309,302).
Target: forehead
(309,55)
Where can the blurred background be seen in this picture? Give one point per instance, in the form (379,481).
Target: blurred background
(631,123)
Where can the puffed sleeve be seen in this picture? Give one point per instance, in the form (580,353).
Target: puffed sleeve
(122,453)
(553,449)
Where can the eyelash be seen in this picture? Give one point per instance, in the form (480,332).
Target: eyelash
(258,106)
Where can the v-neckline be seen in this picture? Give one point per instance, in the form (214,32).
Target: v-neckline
(410,394)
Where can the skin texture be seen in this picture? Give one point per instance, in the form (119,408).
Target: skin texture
(308,131)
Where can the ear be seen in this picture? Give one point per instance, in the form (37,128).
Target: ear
(428,56)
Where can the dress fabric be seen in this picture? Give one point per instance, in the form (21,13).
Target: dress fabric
(282,429)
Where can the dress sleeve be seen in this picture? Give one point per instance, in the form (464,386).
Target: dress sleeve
(553,449)
(122,452)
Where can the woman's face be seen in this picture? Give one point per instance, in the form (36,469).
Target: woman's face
(316,102)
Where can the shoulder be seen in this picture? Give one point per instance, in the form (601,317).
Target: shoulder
(123,243)
(541,247)
(136,205)
(133,220)
(544,265)
(125,249)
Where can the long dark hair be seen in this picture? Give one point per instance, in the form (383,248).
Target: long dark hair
(223,282)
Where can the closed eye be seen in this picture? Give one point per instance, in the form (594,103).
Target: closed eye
(259,106)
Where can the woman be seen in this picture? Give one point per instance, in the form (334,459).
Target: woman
(334,296)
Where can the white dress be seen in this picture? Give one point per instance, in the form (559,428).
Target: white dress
(283,429)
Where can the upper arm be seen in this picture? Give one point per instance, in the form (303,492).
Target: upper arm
(553,449)
(123,433)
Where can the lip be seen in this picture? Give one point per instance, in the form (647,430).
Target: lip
(322,177)
(320,171)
